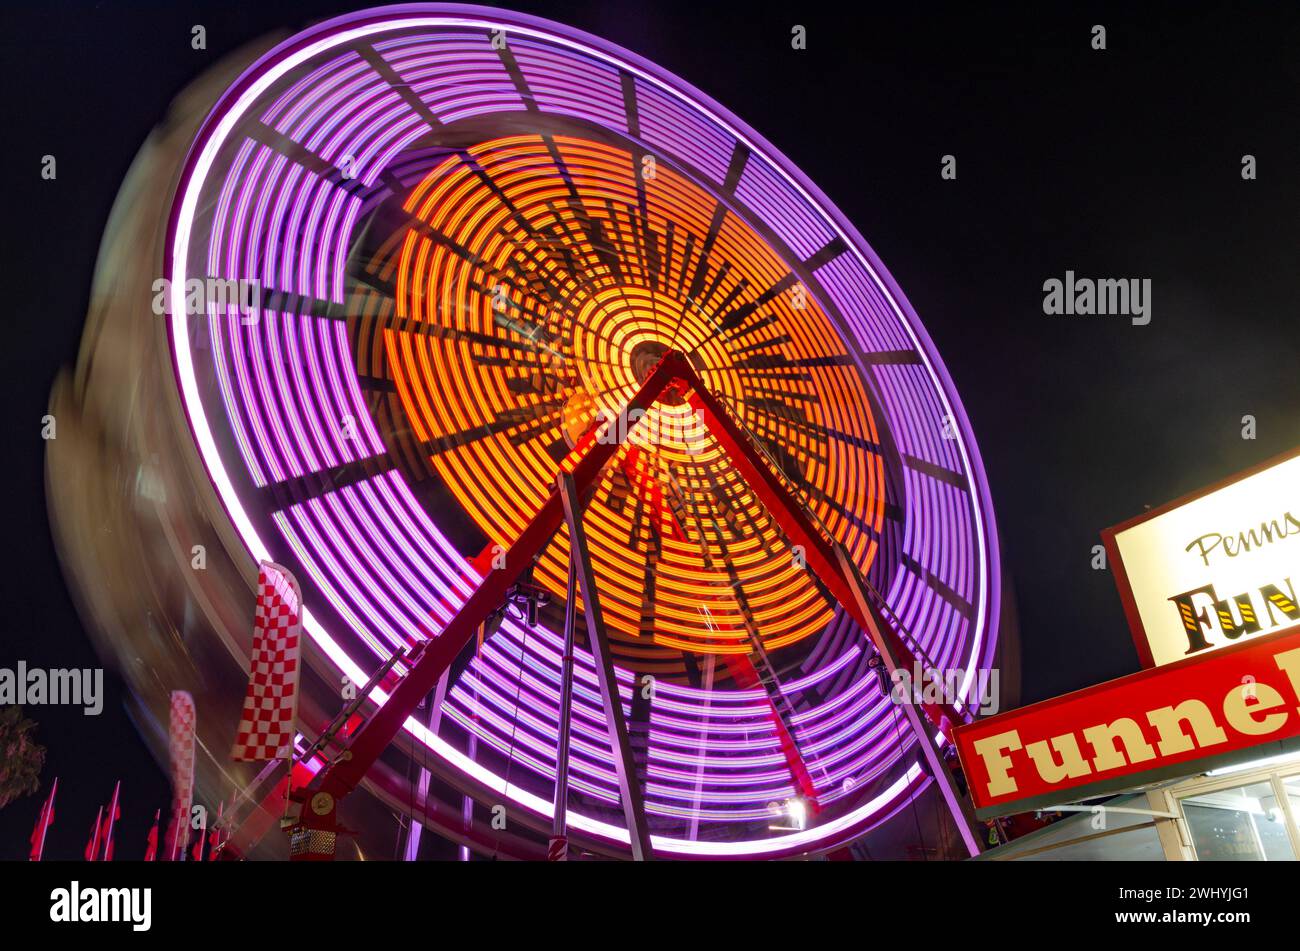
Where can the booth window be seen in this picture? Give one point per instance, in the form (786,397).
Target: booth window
(1240,824)
(1291,784)
(1253,820)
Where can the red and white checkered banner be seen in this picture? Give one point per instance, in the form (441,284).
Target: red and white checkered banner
(266,728)
(180,745)
(557,849)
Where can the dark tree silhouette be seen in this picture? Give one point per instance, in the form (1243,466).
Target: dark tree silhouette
(21,757)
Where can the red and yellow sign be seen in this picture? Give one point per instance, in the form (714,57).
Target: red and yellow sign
(1195,714)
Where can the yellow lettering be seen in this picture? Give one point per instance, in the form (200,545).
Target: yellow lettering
(1174,739)
(1072,764)
(1103,737)
(1245,718)
(1289,663)
(992,750)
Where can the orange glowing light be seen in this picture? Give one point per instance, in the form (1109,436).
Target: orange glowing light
(531,305)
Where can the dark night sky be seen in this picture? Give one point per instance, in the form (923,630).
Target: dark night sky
(1123,163)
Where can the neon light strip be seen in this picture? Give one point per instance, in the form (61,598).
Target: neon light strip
(208,449)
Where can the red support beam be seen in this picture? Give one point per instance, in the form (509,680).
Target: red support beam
(345,772)
(787,512)
(586,462)
(746,676)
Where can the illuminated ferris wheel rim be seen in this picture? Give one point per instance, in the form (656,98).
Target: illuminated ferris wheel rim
(273,66)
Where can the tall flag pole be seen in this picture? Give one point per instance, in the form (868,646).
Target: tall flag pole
(266,727)
(151,844)
(214,837)
(180,744)
(196,854)
(92,847)
(114,813)
(43,823)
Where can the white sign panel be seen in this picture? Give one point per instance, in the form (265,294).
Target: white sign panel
(1211,569)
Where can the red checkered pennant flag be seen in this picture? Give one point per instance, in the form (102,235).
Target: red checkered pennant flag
(91,852)
(151,843)
(43,823)
(180,744)
(196,855)
(266,728)
(111,816)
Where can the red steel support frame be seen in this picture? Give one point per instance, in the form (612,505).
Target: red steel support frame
(586,463)
(787,512)
(959,807)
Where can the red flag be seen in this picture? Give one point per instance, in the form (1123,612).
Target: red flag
(92,847)
(151,848)
(110,818)
(196,854)
(214,837)
(266,727)
(43,823)
(180,743)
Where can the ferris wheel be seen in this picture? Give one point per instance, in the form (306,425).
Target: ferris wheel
(515,283)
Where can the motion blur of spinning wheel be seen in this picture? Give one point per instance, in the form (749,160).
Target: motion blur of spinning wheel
(476,234)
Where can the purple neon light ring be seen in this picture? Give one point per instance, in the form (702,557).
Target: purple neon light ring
(281,187)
